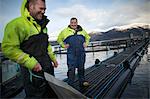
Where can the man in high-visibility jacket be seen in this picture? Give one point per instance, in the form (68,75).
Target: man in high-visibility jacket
(75,39)
(26,42)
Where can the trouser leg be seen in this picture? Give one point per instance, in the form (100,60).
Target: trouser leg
(71,74)
(81,74)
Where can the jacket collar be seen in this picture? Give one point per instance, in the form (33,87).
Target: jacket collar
(79,28)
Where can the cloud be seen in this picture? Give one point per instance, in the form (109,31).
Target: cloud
(87,17)
(126,14)
(80,11)
(102,19)
(106,18)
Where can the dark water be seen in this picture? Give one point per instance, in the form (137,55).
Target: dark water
(61,71)
(139,88)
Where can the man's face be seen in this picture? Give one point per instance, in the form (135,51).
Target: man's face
(73,24)
(37,10)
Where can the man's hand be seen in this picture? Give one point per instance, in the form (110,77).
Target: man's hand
(37,67)
(66,45)
(55,64)
(85,45)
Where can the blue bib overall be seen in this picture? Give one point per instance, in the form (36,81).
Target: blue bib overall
(75,57)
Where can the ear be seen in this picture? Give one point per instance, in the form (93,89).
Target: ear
(31,7)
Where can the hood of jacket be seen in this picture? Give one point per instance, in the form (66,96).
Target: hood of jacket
(24,10)
(26,14)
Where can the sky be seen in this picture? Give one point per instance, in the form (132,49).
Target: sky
(92,15)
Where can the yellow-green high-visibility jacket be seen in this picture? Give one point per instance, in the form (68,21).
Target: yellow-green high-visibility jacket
(17,31)
(75,39)
(67,32)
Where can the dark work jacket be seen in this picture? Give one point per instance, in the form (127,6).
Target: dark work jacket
(37,46)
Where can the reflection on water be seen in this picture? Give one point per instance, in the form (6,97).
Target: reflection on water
(61,70)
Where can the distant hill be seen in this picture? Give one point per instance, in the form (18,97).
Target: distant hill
(121,32)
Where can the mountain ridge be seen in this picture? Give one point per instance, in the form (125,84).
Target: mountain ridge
(121,32)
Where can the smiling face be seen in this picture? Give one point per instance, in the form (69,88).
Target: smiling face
(73,24)
(37,9)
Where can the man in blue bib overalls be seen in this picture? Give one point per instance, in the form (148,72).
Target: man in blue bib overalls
(75,39)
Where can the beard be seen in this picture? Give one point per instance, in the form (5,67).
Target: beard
(37,15)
